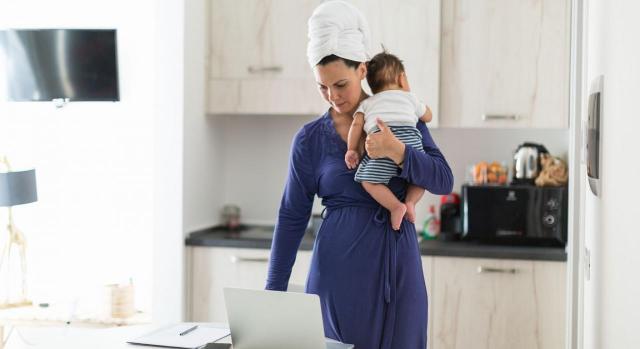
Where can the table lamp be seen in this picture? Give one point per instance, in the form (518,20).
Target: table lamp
(16,188)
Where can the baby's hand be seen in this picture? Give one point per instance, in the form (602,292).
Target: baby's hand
(427,116)
(351,158)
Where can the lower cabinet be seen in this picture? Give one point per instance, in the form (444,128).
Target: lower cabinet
(427,269)
(473,303)
(211,269)
(494,304)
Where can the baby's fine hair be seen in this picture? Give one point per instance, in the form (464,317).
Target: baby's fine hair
(383,70)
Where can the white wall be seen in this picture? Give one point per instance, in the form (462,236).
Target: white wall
(188,150)
(611,298)
(168,266)
(93,222)
(593,237)
(120,183)
(254,162)
(203,147)
(256,152)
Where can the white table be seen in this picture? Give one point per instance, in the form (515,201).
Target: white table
(94,338)
(57,320)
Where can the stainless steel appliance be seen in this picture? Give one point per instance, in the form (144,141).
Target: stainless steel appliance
(526,163)
(516,214)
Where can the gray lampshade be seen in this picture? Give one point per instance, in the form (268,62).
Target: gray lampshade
(17,188)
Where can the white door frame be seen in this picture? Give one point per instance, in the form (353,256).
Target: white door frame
(576,249)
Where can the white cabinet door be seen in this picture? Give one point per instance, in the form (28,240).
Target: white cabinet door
(427,269)
(257,58)
(409,29)
(503,58)
(254,39)
(214,268)
(494,304)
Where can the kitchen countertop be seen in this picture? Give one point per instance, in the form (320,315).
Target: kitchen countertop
(261,236)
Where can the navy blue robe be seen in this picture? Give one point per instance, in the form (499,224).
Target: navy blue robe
(369,277)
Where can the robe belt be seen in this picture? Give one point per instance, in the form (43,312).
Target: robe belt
(381,218)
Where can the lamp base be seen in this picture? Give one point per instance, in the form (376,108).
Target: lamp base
(23,303)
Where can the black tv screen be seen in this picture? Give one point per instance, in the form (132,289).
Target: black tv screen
(46,64)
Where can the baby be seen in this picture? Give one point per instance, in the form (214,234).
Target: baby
(400,110)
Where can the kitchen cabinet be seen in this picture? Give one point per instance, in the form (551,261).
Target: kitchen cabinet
(490,303)
(211,269)
(257,53)
(409,29)
(427,269)
(473,302)
(505,63)
(257,58)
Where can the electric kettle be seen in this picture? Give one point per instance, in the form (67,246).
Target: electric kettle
(526,163)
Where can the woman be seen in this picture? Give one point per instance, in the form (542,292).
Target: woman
(368,276)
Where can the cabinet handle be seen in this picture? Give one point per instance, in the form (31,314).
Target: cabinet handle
(236,259)
(489,117)
(267,69)
(486,270)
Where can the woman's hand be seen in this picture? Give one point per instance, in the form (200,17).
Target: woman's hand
(384,144)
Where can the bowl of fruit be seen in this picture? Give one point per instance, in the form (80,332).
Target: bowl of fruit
(489,173)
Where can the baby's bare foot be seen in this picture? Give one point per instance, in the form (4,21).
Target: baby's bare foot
(411,212)
(396,216)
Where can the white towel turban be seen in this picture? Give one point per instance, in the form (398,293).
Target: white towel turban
(339,28)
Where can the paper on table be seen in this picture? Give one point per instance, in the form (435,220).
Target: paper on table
(334,344)
(170,336)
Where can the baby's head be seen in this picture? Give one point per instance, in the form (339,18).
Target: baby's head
(386,72)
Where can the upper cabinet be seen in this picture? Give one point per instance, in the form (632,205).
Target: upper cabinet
(257,58)
(505,63)
(409,29)
(257,53)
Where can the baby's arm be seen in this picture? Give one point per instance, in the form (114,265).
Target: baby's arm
(427,115)
(355,131)
(352,157)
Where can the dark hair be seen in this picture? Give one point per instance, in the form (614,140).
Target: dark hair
(332,58)
(383,70)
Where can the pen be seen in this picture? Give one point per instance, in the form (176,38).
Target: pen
(188,330)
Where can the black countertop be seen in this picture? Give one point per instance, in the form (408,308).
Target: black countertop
(261,236)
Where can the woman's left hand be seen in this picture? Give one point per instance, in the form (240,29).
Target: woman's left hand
(384,144)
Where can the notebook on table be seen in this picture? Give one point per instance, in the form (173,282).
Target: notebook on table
(188,335)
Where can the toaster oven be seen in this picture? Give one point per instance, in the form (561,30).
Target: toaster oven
(515,214)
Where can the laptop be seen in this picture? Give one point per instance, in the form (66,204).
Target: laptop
(261,319)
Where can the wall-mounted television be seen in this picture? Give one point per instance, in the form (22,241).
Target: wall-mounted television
(48,64)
